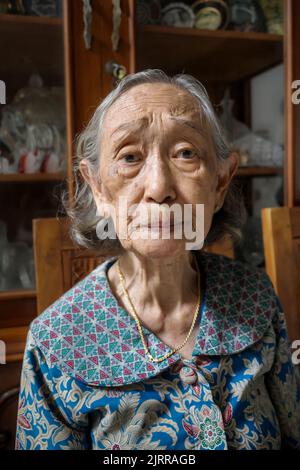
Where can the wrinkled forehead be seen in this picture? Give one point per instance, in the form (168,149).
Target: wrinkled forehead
(146,101)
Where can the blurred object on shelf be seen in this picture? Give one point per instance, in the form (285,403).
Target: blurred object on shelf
(51,163)
(40,157)
(246,15)
(273,11)
(4,6)
(33,130)
(14,7)
(253,149)
(50,8)
(262,152)
(251,249)
(211,14)
(3,234)
(3,247)
(178,14)
(16,267)
(16,263)
(239,15)
(233,128)
(266,192)
(31,162)
(148,12)
(6,158)
(279,195)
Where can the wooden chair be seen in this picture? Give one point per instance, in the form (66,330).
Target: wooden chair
(59,263)
(281,238)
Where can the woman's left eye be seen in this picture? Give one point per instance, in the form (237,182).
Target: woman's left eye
(186,154)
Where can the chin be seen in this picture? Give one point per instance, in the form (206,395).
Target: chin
(158,248)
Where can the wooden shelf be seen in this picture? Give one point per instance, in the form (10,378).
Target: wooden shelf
(259,171)
(30,20)
(17,294)
(31,177)
(209,55)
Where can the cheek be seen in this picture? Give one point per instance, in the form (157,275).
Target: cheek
(112,170)
(120,193)
(112,182)
(119,185)
(198,188)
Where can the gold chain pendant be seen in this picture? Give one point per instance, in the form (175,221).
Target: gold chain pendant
(134,314)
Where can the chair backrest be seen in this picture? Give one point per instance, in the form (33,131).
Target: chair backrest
(59,263)
(281,237)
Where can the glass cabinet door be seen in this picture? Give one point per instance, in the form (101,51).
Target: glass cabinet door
(33,149)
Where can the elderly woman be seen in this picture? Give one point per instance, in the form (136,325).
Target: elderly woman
(160,347)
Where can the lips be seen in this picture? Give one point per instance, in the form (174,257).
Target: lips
(160,225)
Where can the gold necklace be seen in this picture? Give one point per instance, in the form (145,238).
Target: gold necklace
(134,314)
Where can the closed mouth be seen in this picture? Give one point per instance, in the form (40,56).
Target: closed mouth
(161,225)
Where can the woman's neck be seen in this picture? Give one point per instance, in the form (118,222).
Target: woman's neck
(160,290)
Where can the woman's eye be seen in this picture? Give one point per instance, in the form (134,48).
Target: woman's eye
(186,154)
(130,158)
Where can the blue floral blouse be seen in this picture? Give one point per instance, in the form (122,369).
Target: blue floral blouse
(87,382)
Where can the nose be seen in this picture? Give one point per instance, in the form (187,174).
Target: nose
(158,182)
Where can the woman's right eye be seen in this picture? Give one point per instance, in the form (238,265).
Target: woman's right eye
(130,158)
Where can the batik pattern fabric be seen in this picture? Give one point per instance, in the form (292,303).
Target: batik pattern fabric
(87,382)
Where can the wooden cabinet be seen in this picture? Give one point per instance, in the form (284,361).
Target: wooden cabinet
(55,48)
(29,45)
(219,59)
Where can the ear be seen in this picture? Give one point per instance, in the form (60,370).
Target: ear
(227,170)
(96,187)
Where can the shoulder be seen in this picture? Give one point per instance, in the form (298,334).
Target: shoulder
(85,335)
(240,304)
(79,299)
(234,274)
(71,323)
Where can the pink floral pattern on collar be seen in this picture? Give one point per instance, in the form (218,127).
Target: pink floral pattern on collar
(88,336)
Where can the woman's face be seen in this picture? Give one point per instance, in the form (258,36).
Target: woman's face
(155,152)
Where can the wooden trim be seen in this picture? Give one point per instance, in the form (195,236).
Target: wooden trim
(132,37)
(18,294)
(31,20)
(259,171)
(269,249)
(206,33)
(292,111)
(47,233)
(288,67)
(15,340)
(31,177)
(69,94)
(295,222)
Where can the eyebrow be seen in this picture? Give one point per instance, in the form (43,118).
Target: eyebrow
(142,121)
(129,125)
(191,124)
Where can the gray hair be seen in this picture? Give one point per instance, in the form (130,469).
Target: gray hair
(83,212)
